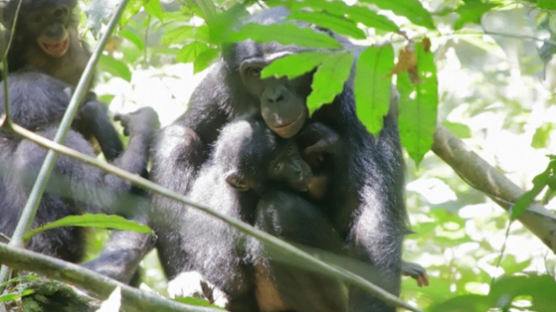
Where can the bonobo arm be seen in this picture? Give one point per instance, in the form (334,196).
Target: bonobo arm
(121,255)
(93,120)
(417,272)
(318,139)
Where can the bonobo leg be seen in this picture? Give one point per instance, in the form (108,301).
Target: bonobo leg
(178,154)
(294,219)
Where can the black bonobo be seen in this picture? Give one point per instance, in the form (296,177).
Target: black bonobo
(46,40)
(361,215)
(74,188)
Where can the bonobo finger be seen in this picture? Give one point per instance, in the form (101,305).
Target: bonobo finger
(124,120)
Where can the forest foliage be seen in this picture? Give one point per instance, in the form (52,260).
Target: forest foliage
(483,69)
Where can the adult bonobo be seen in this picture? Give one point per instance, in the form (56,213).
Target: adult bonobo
(46,40)
(75,187)
(364,207)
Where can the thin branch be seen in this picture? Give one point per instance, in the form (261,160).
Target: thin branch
(98,285)
(30,209)
(295,253)
(7,119)
(527,37)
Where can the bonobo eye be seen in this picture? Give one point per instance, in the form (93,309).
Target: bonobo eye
(254,72)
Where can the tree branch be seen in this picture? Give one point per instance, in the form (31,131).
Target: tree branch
(485,178)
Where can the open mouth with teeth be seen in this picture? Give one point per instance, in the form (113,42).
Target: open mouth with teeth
(54,48)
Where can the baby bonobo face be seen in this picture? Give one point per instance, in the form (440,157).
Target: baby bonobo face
(289,167)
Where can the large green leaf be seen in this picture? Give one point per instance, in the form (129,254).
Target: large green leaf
(294,65)
(153,8)
(93,220)
(539,183)
(418,106)
(546,4)
(412,9)
(337,24)
(354,12)
(329,79)
(372,85)
(115,67)
(190,52)
(285,34)
(204,59)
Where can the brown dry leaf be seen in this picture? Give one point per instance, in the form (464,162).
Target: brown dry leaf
(407,61)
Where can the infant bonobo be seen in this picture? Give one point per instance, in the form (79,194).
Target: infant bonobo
(301,171)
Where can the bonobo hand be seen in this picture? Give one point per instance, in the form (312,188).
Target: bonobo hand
(143,121)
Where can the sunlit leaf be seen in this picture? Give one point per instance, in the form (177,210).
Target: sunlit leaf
(131,9)
(546,4)
(337,24)
(372,86)
(133,38)
(418,106)
(541,136)
(93,220)
(412,9)
(190,52)
(204,59)
(539,183)
(294,65)
(471,12)
(285,34)
(153,8)
(463,303)
(115,67)
(459,129)
(329,79)
(356,13)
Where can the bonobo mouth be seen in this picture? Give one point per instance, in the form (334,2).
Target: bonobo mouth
(54,48)
(289,129)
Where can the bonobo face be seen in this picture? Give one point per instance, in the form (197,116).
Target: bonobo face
(49,25)
(290,168)
(282,101)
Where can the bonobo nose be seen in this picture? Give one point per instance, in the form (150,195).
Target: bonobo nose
(274,94)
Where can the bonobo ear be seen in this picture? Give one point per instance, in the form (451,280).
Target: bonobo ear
(237,181)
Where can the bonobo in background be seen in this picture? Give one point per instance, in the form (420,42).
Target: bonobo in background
(362,215)
(37,102)
(46,40)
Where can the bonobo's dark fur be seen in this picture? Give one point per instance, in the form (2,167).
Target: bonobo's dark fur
(366,216)
(46,40)
(37,102)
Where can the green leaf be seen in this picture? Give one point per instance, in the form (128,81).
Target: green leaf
(356,13)
(9,297)
(459,129)
(337,24)
(541,136)
(153,8)
(546,4)
(131,9)
(412,9)
(115,67)
(372,85)
(539,183)
(418,106)
(471,12)
(285,34)
(133,38)
(93,220)
(204,59)
(463,303)
(329,79)
(190,52)
(294,65)
(371,19)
